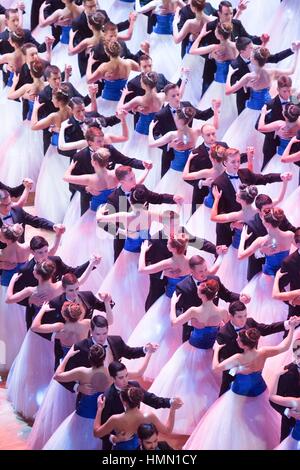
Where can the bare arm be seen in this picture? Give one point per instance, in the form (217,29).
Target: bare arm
(94,261)
(282,193)
(290,158)
(28,184)
(276,73)
(51,19)
(284,296)
(227,364)
(44,123)
(246,252)
(281,347)
(125,133)
(184,318)
(65,146)
(165,139)
(72,50)
(37,326)
(195,175)
(70,376)
(12,298)
(238,85)
(81,180)
(222,218)
(150,6)
(140,372)
(56,243)
(153,268)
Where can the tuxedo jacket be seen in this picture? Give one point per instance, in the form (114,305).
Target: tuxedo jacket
(291,265)
(15,191)
(242,68)
(237,32)
(288,386)
(189,296)
(153,198)
(101,56)
(228,201)
(25,77)
(74,132)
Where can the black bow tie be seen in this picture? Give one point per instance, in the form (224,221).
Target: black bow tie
(284,102)
(233,177)
(239,329)
(248,62)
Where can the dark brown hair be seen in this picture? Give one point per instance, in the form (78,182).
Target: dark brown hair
(132,396)
(250,337)
(209,288)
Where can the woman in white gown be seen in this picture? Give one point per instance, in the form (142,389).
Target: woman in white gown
(200,222)
(237,420)
(256,15)
(24,157)
(291,205)
(188,373)
(276,246)
(164,51)
(32,369)
(242,133)
(223,53)
(52,193)
(285,129)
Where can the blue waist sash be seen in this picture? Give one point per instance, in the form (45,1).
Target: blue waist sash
(30,109)
(7,274)
(222,71)
(236,238)
(203,338)
(86,406)
(54,139)
(113,89)
(282,146)
(10,79)
(134,244)
(65,34)
(131,444)
(250,385)
(296,431)
(180,159)
(171,285)
(96,201)
(142,126)
(258,98)
(209,200)
(273,262)
(164,24)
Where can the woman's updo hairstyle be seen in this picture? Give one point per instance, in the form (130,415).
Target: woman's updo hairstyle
(71,311)
(274,216)
(132,396)
(249,337)
(46,269)
(12,232)
(186,114)
(209,288)
(97,355)
(261,55)
(248,193)
(96,20)
(101,157)
(62,94)
(225,30)
(217,152)
(37,68)
(113,49)
(291,112)
(139,195)
(149,79)
(179,243)
(198,5)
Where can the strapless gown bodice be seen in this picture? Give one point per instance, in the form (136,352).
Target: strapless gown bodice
(222,71)
(30,109)
(258,98)
(296,431)
(113,89)
(54,139)
(282,146)
(7,274)
(180,159)
(65,34)
(171,285)
(164,24)
(249,385)
(209,200)
(131,444)
(203,338)
(101,198)
(273,262)
(86,406)
(134,244)
(236,238)
(142,126)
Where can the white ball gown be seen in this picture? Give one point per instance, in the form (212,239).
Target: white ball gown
(291,206)
(60,57)
(292,442)
(262,307)
(242,132)
(276,166)
(188,375)
(76,431)
(30,374)
(199,223)
(155,326)
(23,159)
(96,241)
(193,88)
(11,126)
(254,18)
(52,195)
(137,146)
(228,111)
(237,420)
(57,405)
(128,287)
(163,50)
(12,322)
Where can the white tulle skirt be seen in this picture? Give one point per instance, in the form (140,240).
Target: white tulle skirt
(257,14)
(57,405)
(166,55)
(137,147)
(291,207)
(52,195)
(193,88)
(96,241)
(233,271)
(24,158)
(12,329)
(73,213)
(263,308)
(11,126)
(155,326)
(200,224)
(75,433)
(228,111)
(188,375)
(61,58)
(129,290)
(30,374)
(242,133)
(236,422)
(276,166)
(289,444)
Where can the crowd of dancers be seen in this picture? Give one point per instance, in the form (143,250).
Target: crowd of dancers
(160,143)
